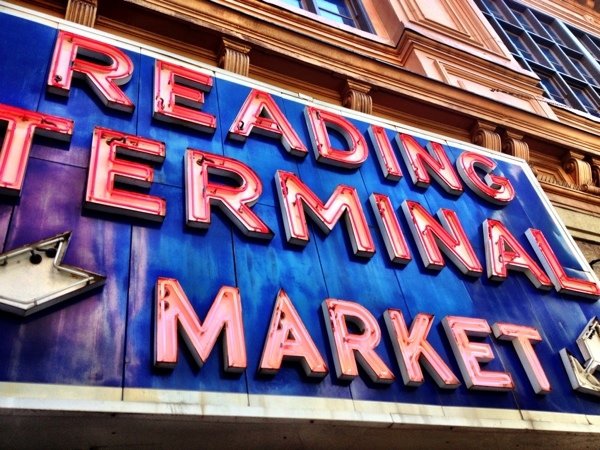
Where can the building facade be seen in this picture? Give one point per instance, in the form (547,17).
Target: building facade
(520,79)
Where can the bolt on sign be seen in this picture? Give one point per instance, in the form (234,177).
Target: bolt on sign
(235,238)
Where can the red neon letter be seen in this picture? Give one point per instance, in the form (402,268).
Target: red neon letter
(562,282)
(522,337)
(318,121)
(410,348)
(493,188)
(393,237)
(385,154)
(18,138)
(234,201)
(260,113)
(421,163)
(288,338)
(503,251)
(113,69)
(431,237)
(295,197)
(179,94)
(105,169)
(469,354)
(173,308)
(349,347)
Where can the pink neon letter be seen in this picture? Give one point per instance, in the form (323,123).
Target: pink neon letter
(113,69)
(522,337)
(431,237)
(421,163)
(234,201)
(410,348)
(288,338)
(349,347)
(179,94)
(503,251)
(493,188)
(393,237)
(295,198)
(173,308)
(469,354)
(318,121)
(260,113)
(385,154)
(18,138)
(105,169)
(562,282)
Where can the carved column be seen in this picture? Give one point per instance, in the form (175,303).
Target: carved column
(355,95)
(580,170)
(485,135)
(234,57)
(82,12)
(513,144)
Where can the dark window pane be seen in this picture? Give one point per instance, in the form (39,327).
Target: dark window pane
(551,89)
(585,99)
(337,10)
(585,73)
(520,45)
(493,8)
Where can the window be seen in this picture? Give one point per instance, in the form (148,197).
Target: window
(566,60)
(345,12)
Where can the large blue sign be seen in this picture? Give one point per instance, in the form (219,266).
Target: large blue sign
(493,290)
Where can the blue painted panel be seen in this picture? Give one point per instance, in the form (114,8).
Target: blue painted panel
(269,151)
(261,270)
(81,341)
(202,262)
(87,111)
(88,339)
(177,138)
(19,87)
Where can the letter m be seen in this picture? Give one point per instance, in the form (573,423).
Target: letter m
(174,311)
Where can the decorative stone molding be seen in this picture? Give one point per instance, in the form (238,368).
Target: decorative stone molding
(485,135)
(234,56)
(82,12)
(580,170)
(355,95)
(595,163)
(513,144)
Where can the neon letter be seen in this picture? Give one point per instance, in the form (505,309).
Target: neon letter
(493,188)
(260,113)
(469,354)
(288,338)
(318,121)
(235,201)
(349,347)
(503,251)
(412,348)
(393,237)
(522,337)
(431,237)
(18,138)
(179,94)
(173,308)
(562,282)
(106,169)
(385,154)
(295,198)
(421,163)
(113,69)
